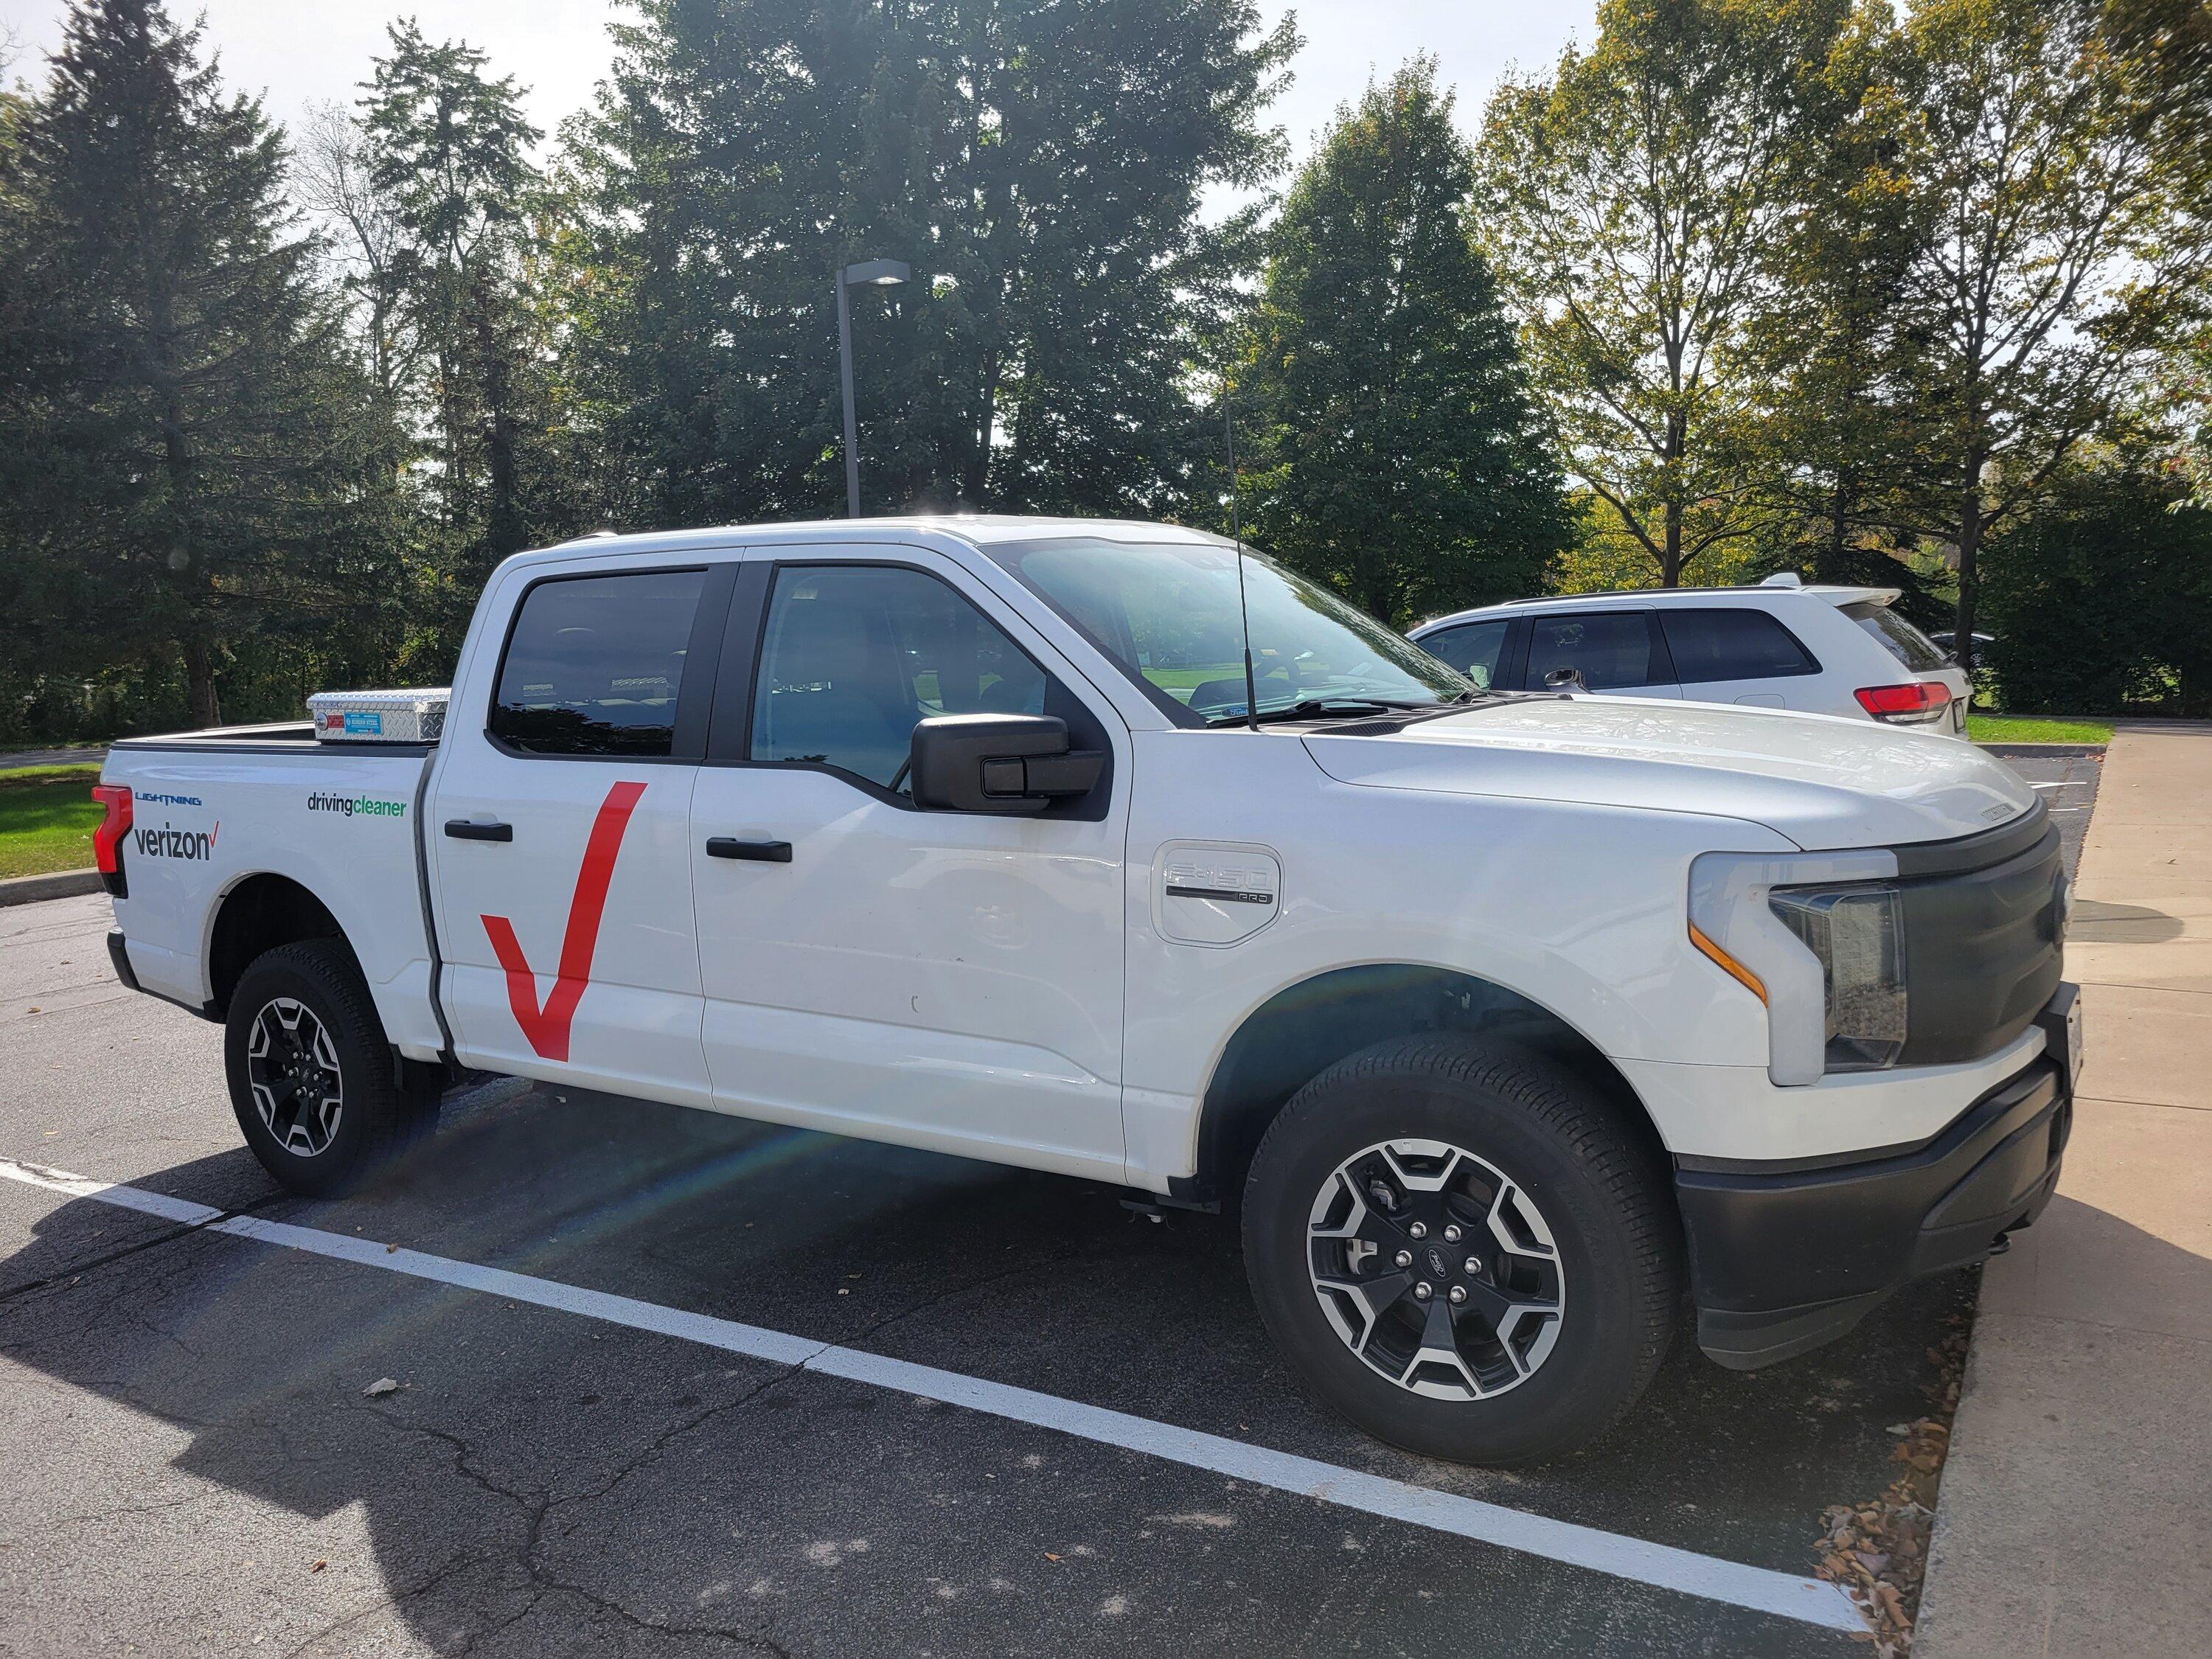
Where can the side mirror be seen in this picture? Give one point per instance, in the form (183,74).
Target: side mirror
(1569,678)
(998,764)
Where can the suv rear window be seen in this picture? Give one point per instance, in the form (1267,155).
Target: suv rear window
(1899,636)
(1732,643)
(594,663)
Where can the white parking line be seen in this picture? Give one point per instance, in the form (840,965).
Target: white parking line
(1809,1601)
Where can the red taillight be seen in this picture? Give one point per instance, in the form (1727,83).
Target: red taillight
(107,840)
(1906,705)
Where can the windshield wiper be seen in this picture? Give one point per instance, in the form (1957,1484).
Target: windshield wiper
(1315,707)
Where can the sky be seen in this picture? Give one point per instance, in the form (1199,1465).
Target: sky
(299,52)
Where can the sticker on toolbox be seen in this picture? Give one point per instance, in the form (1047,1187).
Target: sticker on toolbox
(364,722)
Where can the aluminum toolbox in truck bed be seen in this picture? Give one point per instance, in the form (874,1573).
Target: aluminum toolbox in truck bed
(379,716)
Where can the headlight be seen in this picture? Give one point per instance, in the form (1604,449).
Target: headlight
(1858,933)
(1818,937)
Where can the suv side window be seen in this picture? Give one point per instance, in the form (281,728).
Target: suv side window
(1474,648)
(854,655)
(1899,636)
(1732,643)
(1612,648)
(593,664)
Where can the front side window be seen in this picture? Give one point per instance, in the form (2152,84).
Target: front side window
(1732,643)
(593,664)
(1612,648)
(1169,615)
(854,655)
(1473,648)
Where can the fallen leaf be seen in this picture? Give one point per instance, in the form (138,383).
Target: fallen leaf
(381,1387)
(1049,1556)
(390,1249)
(318,1566)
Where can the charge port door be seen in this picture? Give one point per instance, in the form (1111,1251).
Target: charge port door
(1214,893)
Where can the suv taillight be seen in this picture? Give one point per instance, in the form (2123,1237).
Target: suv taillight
(108,838)
(1920,703)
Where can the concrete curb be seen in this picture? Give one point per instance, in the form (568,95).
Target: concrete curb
(62,883)
(2039,751)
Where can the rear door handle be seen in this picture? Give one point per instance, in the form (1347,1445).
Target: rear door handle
(760,852)
(469,830)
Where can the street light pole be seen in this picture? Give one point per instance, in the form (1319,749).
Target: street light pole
(872,273)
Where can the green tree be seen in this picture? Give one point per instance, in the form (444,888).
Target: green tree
(1403,457)
(1842,420)
(2100,593)
(2056,157)
(1041,169)
(439,197)
(182,431)
(1630,203)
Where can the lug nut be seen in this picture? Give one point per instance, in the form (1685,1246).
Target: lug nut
(1418,1230)
(1475,1264)
(1459,1292)
(1451,1235)
(1421,1291)
(1404,1258)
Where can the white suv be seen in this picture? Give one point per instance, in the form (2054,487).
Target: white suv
(1781,645)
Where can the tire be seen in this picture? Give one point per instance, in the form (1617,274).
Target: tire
(302,1011)
(1552,1203)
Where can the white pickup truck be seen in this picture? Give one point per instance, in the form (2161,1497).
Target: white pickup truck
(1507,1020)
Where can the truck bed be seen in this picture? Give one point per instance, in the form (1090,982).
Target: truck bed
(232,817)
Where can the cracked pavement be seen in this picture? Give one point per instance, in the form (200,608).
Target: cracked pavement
(192,1468)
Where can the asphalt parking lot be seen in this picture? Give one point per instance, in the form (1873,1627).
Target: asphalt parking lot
(189,1463)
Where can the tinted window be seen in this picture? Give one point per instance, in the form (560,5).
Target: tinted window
(1732,644)
(1899,637)
(593,664)
(1612,648)
(854,655)
(1473,648)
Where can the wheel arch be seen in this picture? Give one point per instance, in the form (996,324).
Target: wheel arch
(257,913)
(1306,1027)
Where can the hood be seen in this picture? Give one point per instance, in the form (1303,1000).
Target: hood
(1825,782)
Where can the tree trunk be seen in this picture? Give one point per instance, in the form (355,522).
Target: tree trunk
(1670,549)
(206,708)
(1970,576)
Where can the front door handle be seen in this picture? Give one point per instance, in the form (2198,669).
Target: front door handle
(760,852)
(469,830)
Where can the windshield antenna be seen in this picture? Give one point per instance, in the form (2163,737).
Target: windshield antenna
(1236,533)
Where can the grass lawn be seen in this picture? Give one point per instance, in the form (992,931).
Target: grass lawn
(2030,728)
(47,815)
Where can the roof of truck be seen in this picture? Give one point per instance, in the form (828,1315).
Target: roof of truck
(975,527)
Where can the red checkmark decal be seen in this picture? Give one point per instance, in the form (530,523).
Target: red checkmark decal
(546,1028)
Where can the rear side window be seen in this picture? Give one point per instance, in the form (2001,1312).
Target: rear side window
(854,655)
(1473,648)
(1899,636)
(593,664)
(1732,644)
(1612,648)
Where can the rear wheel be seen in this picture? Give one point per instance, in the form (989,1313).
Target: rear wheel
(311,1069)
(1463,1250)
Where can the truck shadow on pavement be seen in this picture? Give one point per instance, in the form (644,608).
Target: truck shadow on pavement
(538,1480)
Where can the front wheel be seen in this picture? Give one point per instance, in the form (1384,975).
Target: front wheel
(311,1071)
(1462,1250)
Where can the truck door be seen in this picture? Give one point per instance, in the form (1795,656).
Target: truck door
(943,979)
(560,824)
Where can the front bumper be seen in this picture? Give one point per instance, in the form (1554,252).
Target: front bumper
(1783,1261)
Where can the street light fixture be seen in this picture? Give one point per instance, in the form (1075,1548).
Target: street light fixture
(870,273)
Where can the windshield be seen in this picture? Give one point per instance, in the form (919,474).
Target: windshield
(1168,613)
